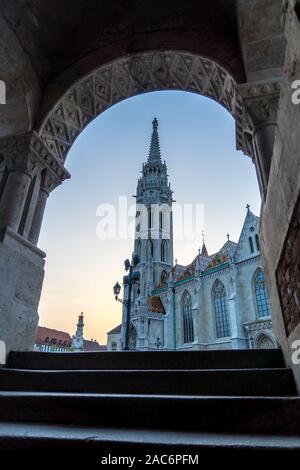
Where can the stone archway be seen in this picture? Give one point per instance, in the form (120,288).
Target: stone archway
(132,338)
(129,76)
(264,341)
(45,150)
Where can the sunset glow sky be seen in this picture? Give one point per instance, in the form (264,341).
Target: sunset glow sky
(197,138)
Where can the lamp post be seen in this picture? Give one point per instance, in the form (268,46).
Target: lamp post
(133,277)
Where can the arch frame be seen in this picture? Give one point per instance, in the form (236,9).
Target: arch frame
(132,75)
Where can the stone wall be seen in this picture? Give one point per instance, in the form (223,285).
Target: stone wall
(279,210)
(22,264)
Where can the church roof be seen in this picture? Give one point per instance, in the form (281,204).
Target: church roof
(154,152)
(204,251)
(115,330)
(155,304)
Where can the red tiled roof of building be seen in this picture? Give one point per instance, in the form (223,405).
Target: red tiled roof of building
(45,335)
(89,345)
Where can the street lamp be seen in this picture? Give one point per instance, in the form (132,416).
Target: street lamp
(132,277)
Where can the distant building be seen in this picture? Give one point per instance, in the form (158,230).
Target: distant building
(218,301)
(114,339)
(51,340)
(93,345)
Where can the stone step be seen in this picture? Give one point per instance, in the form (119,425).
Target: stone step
(227,359)
(238,382)
(274,415)
(114,442)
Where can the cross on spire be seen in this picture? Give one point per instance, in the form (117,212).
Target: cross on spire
(154,152)
(248,207)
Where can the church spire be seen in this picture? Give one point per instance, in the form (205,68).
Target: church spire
(204,249)
(154,152)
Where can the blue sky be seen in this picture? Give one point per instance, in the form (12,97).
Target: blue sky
(197,138)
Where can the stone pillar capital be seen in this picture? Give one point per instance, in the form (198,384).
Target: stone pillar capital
(260,103)
(256,124)
(27,153)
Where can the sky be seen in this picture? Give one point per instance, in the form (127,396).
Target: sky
(197,140)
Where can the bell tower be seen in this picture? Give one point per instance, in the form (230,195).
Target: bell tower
(154,222)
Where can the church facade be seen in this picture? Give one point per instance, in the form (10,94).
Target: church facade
(218,301)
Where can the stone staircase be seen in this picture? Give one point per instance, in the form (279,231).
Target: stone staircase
(137,403)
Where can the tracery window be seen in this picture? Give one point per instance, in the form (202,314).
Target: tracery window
(221,310)
(261,298)
(187,318)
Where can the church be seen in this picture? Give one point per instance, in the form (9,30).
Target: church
(218,301)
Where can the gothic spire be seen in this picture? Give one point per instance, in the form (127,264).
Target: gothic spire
(154,152)
(204,249)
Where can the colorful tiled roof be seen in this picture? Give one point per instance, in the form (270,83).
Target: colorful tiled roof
(155,304)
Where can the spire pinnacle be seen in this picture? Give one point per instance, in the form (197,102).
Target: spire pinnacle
(154,152)
(204,249)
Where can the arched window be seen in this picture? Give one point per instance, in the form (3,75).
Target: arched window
(260,291)
(139,248)
(132,337)
(221,310)
(150,249)
(114,346)
(251,246)
(163,251)
(161,220)
(163,277)
(264,342)
(150,218)
(257,242)
(187,318)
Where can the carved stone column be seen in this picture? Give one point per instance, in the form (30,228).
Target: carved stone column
(238,340)
(21,164)
(260,107)
(48,183)
(22,263)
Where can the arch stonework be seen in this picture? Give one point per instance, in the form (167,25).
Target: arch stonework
(130,76)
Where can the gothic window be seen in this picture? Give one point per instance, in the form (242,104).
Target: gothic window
(164,277)
(150,249)
(264,342)
(161,220)
(163,251)
(139,248)
(251,246)
(150,218)
(132,337)
(261,298)
(257,242)
(221,310)
(187,318)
